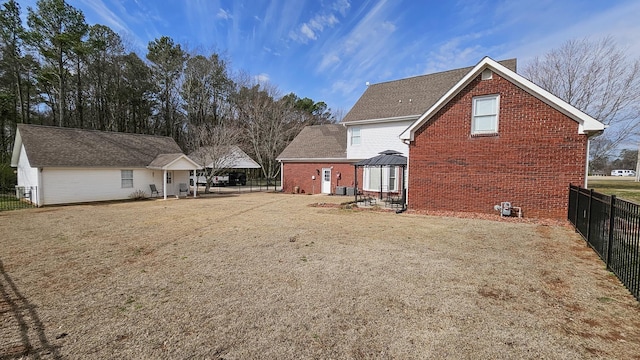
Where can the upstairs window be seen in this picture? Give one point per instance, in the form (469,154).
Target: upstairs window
(126,179)
(355,136)
(485,115)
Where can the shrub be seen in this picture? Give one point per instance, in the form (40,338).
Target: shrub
(138,195)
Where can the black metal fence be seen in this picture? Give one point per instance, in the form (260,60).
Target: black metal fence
(250,185)
(612,228)
(20,197)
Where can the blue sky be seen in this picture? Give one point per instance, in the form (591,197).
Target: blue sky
(328,49)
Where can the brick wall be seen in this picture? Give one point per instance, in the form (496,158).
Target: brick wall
(531,162)
(299,174)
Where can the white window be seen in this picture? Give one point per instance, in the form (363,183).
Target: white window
(485,115)
(374,179)
(392,178)
(355,136)
(373,176)
(126,177)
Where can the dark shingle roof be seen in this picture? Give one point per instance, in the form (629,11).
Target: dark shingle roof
(406,97)
(163,160)
(48,146)
(386,158)
(318,142)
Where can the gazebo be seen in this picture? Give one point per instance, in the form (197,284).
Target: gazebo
(388,159)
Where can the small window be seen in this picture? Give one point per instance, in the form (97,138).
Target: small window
(168,177)
(126,177)
(355,136)
(485,115)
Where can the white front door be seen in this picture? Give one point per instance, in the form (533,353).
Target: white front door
(326,181)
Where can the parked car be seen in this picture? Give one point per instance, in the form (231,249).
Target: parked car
(218,180)
(623,173)
(237,178)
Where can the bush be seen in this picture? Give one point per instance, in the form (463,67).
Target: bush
(138,195)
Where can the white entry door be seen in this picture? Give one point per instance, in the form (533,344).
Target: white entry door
(326,181)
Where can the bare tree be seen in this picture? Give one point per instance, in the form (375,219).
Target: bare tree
(599,78)
(214,149)
(269,123)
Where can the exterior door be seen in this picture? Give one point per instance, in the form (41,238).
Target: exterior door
(326,181)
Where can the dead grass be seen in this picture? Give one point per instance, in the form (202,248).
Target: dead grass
(267,276)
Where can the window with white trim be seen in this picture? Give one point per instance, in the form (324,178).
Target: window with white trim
(485,115)
(374,178)
(169,176)
(374,175)
(355,136)
(126,179)
(392,178)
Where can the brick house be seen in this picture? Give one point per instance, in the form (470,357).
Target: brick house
(373,125)
(474,137)
(494,137)
(316,161)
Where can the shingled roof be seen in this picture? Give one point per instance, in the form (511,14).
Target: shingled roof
(48,146)
(318,142)
(407,97)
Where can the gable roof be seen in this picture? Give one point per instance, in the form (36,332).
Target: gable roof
(407,98)
(317,142)
(48,146)
(586,124)
(169,162)
(228,157)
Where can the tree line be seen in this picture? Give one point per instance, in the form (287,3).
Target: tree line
(61,71)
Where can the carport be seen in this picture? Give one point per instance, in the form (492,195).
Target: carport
(385,159)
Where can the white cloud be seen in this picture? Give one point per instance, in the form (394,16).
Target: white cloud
(342,6)
(262,78)
(357,51)
(329,60)
(107,16)
(307,32)
(310,29)
(620,22)
(224,14)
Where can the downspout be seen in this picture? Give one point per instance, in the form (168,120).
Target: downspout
(586,167)
(404,192)
(355,183)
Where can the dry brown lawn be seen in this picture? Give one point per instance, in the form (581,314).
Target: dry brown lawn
(267,276)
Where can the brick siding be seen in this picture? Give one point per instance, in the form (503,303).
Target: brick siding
(530,163)
(299,174)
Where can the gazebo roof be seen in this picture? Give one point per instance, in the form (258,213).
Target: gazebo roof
(386,158)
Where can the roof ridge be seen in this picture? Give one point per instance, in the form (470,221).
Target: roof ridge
(423,75)
(64,128)
(468,68)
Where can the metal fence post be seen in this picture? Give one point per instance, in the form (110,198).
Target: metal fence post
(577,208)
(612,210)
(569,204)
(589,217)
